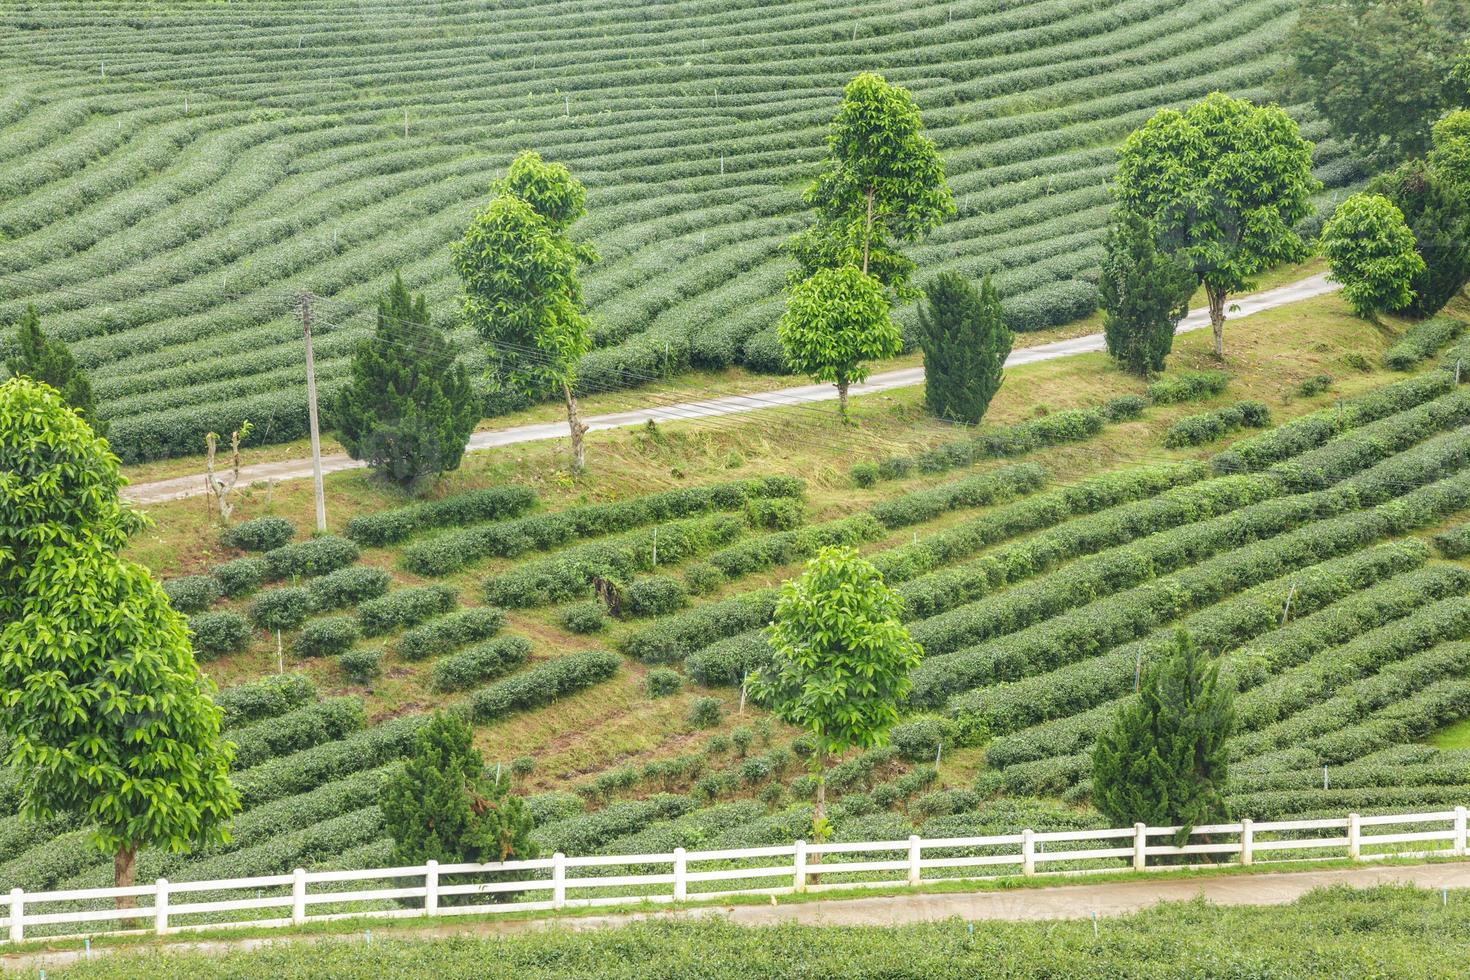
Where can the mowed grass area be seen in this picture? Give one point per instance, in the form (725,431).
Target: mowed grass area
(165,201)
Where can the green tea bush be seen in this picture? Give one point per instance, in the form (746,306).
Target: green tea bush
(975,491)
(1124,408)
(1454,543)
(192,593)
(316,556)
(543,684)
(303,728)
(702,578)
(439,636)
(921,739)
(469,507)
(865,474)
(1314,385)
(1194,430)
(361,666)
(784,547)
(281,609)
(706,712)
(654,596)
(586,833)
(663,682)
(775,513)
(348,587)
(299,772)
(326,637)
(478,663)
(404,607)
(584,617)
(1421,341)
(240,576)
(261,534)
(677,636)
(1187,386)
(217,633)
(265,698)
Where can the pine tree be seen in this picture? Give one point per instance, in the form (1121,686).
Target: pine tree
(1144,294)
(409,407)
(40,358)
(1437,210)
(965,343)
(1165,761)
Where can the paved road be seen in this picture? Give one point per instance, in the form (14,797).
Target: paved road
(1022,904)
(296,469)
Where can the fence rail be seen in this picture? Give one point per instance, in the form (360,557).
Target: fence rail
(560,882)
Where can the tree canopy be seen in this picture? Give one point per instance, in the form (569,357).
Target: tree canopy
(835,322)
(1144,294)
(965,342)
(48,360)
(1371,251)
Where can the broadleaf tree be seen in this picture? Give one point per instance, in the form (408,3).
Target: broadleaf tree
(840,659)
(1371,251)
(1224,184)
(101,699)
(519,268)
(966,342)
(1437,211)
(835,322)
(408,407)
(1143,292)
(49,360)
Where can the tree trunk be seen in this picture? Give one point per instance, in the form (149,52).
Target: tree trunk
(1217,318)
(868,231)
(578,429)
(842,398)
(123,866)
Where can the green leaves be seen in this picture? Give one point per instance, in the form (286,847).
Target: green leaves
(1371,251)
(966,343)
(834,322)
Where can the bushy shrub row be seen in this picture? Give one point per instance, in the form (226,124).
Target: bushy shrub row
(1319,802)
(404,607)
(1449,768)
(479,663)
(446,633)
(261,534)
(216,633)
(281,609)
(326,637)
(922,739)
(980,490)
(192,593)
(469,507)
(1454,543)
(301,771)
(776,513)
(1421,341)
(265,698)
(543,684)
(784,547)
(303,728)
(542,532)
(569,574)
(587,832)
(655,595)
(677,636)
(240,576)
(348,587)
(584,617)
(1187,386)
(1195,430)
(361,666)
(315,556)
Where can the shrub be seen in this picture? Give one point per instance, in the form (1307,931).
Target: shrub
(348,587)
(218,633)
(654,596)
(522,766)
(240,576)
(975,491)
(306,559)
(404,607)
(361,666)
(775,514)
(865,474)
(261,534)
(1144,293)
(281,609)
(301,771)
(1187,386)
(676,637)
(481,662)
(584,617)
(921,739)
(1192,430)
(193,593)
(1421,341)
(326,637)
(444,634)
(543,684)
(702,578)
(302,728)
(1124,408)
(706,712)
(265,698)
(965,340)
(1314,385)
(663,682)
(1454,543)
(472,506)
(783,547)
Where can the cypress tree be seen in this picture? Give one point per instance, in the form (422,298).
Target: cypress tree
(1437,211)
(965,342)
(1165,761)
(409,407)
(40,358)
(1144,294)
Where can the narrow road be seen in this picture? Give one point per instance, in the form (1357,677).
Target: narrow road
(1010,905)
(296,469)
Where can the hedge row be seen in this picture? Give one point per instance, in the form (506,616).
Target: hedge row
(1453,769)
(1187,386)
(980,490)
(1195,430)
(1421,341)
(439,636)
(543,532)
(655,595)
(570,573)
(261,534)
(281,609)
(479,663)
(543,684)
(216,633)
(303,728)
(785,547)
(1294,803)
(265,698)
(326,637)
(347,587)
(404,607)
(192,593)
(585,833)
(678,636)
(301,771)
(469,507)
(306,559)
(240,576)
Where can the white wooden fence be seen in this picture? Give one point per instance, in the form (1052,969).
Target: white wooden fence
(561,882)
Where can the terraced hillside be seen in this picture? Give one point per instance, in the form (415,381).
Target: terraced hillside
(1042,562)
(172,174)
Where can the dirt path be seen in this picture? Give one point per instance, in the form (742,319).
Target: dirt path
(296,469)
(1023,904)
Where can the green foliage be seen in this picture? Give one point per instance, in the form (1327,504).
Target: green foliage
(49,361)
(1314,385)
(663,682)
(1165,762)
(281,609)
(488,504)
(444,634)
(471,666)
(1371,251)
(1454,543)
(408,406)
(1144,294)
(104,706)
(1187,386)
(240,576)
(1421,341)
(216,633)
(835,322)
(706,712)
(922,739)
(1194,430)
(965,342)
(326,637)
(655,595)
(261,534)
(404,607)
(361,666)
(584,617)
(347,587)
(304,559)
(444,806)
(265,698)
(192,593)
(303,728)
(543,684)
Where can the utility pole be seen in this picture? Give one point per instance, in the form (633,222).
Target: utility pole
(316,439)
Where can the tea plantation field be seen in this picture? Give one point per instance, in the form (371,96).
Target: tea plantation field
(172,174)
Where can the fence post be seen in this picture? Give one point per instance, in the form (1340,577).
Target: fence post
(558,880)
(799,882)
(160,907)
(431,888)
(1355,837)
(1028,852)
(681,872)
(298,897)
(17,915)
(1459,831)
(914,851)
(1140,846)
(1247,841)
